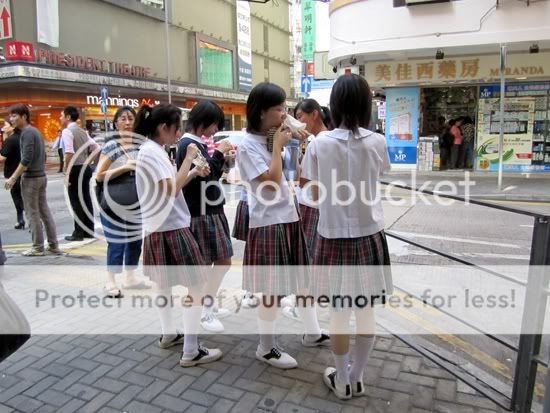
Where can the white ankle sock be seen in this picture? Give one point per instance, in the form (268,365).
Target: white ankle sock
(311,323)
(363,348)
(342,372)
(266,330)
(191,323)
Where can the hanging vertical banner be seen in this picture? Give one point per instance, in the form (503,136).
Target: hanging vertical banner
(244,47)
(308,29)
(47,22)
(402,112)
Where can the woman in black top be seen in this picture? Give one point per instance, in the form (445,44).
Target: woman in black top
(11,153)
(205,200)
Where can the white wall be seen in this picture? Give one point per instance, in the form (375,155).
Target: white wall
(375,30)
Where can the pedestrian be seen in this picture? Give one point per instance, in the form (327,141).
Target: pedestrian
(468,134)
(120,216)
(80,149)
(11,154)
(445,143)
(275,242)
(351,238)
(32,170)
(317,120)
(171,255)
(58,144)
(204,197)
(457,143)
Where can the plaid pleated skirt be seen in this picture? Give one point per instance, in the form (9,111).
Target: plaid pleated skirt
(276,260)
(309,219)
(352,267)
(173,258)
(212,235)
(240,227)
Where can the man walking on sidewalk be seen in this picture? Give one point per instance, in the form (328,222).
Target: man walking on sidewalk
(58,144)
(78,147)
(33,182)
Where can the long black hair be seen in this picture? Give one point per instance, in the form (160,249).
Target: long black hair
(311,105)
(263,96)
(351,102)
(149,118)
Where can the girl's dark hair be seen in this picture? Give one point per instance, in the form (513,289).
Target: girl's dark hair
(452,122)
(122,110)
(351,102)
(310,105)
(204,114)
(265,95)
(148,119)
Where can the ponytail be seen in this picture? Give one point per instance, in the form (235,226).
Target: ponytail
(148,119)
(311,105)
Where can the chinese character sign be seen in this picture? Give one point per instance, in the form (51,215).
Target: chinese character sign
(308,29)
(402,112)
(244,47)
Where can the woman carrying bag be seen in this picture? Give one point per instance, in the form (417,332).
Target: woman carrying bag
(117,196)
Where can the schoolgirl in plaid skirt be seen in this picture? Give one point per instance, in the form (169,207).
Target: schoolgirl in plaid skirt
(275,249)
(171,255)
(350,256)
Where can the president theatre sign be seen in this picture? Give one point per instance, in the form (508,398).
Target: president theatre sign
(464,69)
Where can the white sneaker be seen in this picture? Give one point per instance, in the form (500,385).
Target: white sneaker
(170,341)
(210,323)
(33,252)
(249,300)
(289,301)
(220,313)
(322,341)
(203,355)
(291,313)
(342,391)
(277,358)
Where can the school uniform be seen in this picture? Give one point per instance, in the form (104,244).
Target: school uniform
(275,237)
(309,217)
(349,236)
(166,222)
(240,226)
(208,222)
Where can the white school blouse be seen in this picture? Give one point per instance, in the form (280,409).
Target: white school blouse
(266,207)
(159,212)
(348,165)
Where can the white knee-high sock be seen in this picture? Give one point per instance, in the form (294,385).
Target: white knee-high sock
(163,305)
(311,323)
(342,372)
(191,324)
(363,349)
(266,330)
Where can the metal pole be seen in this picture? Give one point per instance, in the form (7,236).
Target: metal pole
(168,51)
(534,311)
(503,51)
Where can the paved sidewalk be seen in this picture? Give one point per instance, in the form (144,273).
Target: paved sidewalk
(108,373)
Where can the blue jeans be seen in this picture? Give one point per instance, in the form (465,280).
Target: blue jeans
(119,249)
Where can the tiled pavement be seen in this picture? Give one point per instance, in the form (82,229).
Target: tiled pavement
(109,373)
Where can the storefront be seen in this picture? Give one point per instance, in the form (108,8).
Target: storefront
(420,94)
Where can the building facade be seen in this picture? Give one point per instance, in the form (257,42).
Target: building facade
(218,50)
(441,59)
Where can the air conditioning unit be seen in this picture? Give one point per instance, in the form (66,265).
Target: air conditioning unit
(415,2)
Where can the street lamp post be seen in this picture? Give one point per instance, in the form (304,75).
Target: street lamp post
(503,53)
(168,51)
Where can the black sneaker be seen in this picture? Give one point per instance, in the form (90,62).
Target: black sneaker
(202,356)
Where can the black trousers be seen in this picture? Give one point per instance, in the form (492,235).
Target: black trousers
(60,153)
(81,201)
(17,198)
